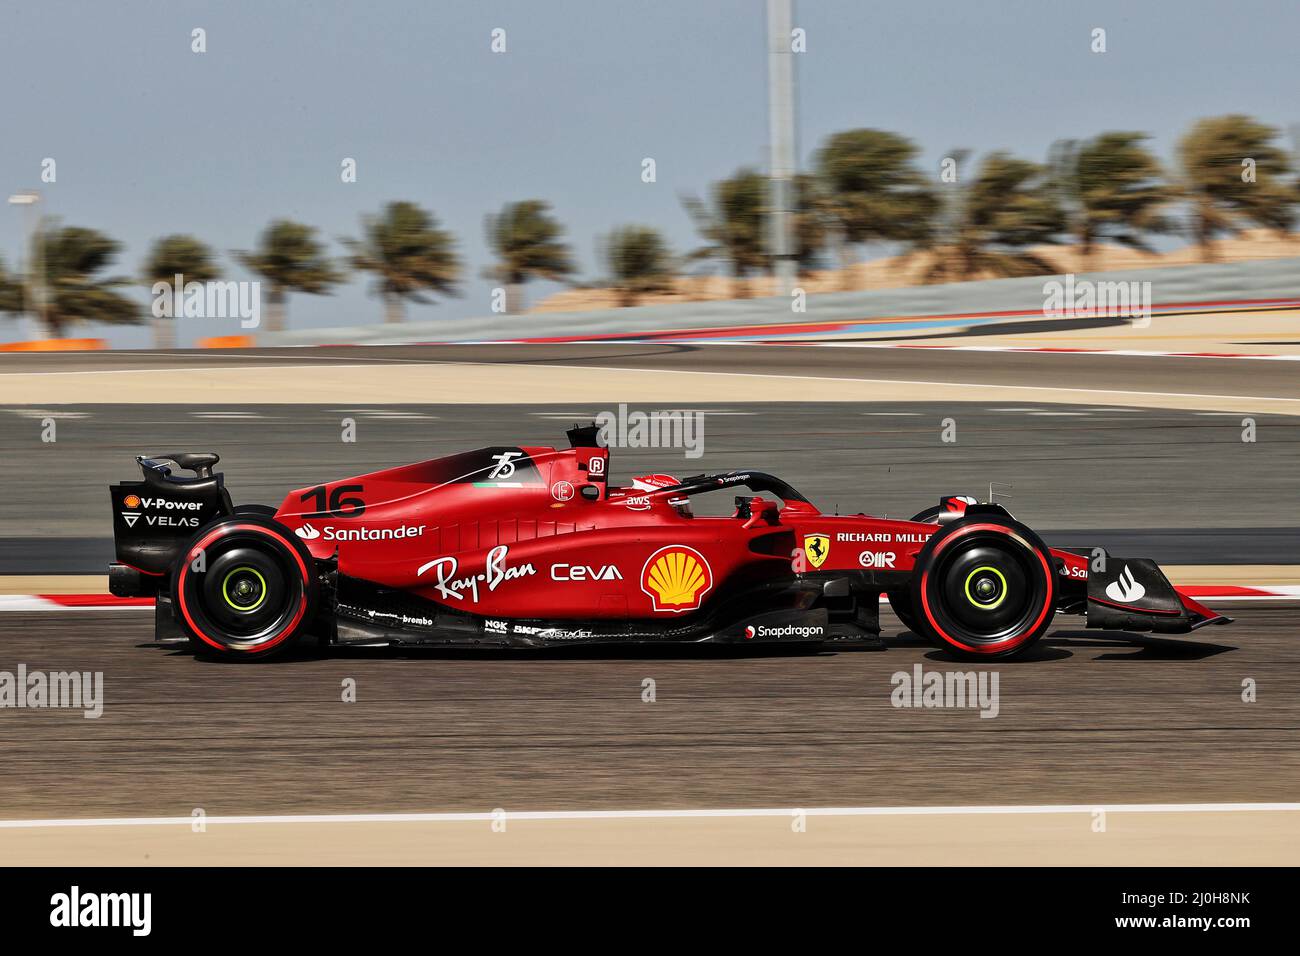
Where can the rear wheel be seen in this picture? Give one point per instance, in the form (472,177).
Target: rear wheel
(984,587)
(260,511)
(244,588)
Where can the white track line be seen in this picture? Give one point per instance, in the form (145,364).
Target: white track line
(1041,350)
(479,817)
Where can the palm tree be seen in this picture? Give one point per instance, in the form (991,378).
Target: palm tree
(1007,207)
(526,240)
(69,288)
(874,191)
(1211,155)
(1111,189)
(734,227)
(11,292)
(289,259)
(408,254)
(812,215)
(639,262)
(172,256)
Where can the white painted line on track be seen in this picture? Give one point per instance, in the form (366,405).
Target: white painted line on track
(1025,349)
(479,817)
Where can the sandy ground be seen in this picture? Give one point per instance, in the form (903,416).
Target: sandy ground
(1257,838)
(504,383)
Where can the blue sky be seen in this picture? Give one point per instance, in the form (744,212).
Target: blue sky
(151,138)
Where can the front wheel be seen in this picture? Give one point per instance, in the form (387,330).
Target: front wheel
(900,602)
(984,588)
(244,588)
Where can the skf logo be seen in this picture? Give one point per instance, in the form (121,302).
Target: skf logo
(818,548)
(676,578)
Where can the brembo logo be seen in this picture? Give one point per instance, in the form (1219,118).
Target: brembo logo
(1125,589)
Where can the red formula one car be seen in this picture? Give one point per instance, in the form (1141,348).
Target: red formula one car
(532,547)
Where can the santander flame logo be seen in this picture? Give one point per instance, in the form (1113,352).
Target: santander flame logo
(676,578)
(1125,589)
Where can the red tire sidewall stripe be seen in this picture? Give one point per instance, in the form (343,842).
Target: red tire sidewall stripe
(1006,643)
(224,532)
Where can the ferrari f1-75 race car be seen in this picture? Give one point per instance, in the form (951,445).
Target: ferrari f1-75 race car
(533,547)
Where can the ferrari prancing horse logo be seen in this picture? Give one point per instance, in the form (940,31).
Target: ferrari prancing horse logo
(817,547)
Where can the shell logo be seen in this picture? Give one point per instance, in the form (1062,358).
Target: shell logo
(676,578)
(131,501)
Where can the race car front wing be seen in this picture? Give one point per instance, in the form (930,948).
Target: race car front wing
(1133,594)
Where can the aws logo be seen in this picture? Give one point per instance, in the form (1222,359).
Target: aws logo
(676,578)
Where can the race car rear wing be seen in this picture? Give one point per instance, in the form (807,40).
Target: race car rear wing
(154,518)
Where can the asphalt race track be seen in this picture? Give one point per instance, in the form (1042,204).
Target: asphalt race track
(1093,717)
(1265,379)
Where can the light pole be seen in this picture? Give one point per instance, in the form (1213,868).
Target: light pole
(29,267)
(780,101)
